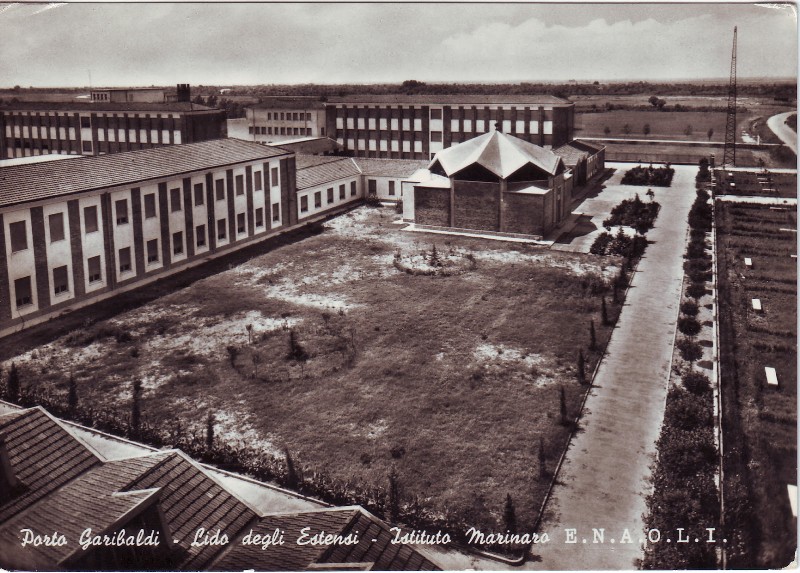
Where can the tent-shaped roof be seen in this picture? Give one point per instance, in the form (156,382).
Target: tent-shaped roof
(500,153)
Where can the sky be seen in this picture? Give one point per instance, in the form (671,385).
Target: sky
(46,45)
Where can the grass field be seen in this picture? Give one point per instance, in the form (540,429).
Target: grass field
(677,153)
(760,422)
(450,380)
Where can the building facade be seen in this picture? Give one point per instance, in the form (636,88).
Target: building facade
(417,127)
(277,119)
(74,232)
(496,183)
(32,128)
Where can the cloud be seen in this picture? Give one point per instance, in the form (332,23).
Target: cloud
(230,43)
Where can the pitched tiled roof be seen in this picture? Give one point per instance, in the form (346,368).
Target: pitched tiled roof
(484,100)
(326,172)
(589,146)
(43,455)
(575,150)
(192,499)
(23,183)
(500,153)
(100,107)
(385,555)
(302,161)
(399,168)
(381,553)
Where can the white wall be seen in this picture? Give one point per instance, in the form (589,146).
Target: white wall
(21,263)
(323,190)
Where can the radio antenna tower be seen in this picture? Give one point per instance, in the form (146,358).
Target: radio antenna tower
(729,155)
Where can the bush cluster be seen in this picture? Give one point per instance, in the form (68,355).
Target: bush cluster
(634,213)
(619,244)
(650,176)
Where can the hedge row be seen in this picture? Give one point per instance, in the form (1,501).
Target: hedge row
(684,488)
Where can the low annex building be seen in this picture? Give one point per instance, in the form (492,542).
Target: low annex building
(495,182)
(584,159)
(74,232)
(52,480)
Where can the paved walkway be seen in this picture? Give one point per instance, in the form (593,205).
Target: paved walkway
(777,123)
(603,481)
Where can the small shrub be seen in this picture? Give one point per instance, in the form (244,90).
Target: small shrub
(690,308)
(689,326)
(696,290)
(372,201)
(696,383)
(689,350)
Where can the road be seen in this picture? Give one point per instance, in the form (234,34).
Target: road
(777,123)
(603,482)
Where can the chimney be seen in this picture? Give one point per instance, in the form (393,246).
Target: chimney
(184,92)
(8,481)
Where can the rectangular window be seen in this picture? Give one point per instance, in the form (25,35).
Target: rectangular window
(257,180)
(454,125)
(276,212)
(436,136)
(86,146)
(22,291)
(121,208)
(417,125)
(219,186)
(221,229)
(86,122)
(199,199)
(330,195)
(240,184)
(149,205)
(507,126)
(304,203)
(308,117)
(177,243)
(90,219)
(125,259)
(260,217)
(352,188)
(391,187)
(200,233)
(152,251)
(60,280)
(19,236)
(94,269)
(436,113)
(342,192)
(520,126)
(240,225)
(274,173)
(175,199)
(56,221)
(317,199)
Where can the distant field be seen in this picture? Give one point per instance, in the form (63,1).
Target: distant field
(663,125)
(677,153)
(760,422)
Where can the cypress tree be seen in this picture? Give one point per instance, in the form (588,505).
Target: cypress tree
(72,396)
(12,388)
(210,430)
(394,497)
(136,407)
(509,515)
(563,400)
(292,479)
(542,459)
(581,368)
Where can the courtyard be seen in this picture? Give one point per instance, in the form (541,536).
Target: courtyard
(327,349)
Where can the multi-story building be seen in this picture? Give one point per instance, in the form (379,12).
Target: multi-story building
(417,127)
(279,118)
(38,128)
(73,232)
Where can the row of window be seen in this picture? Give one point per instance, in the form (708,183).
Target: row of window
(18,229)
(268,130)
(22,286)
(383,124)
(382,145)
(330,196)
(288,116)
